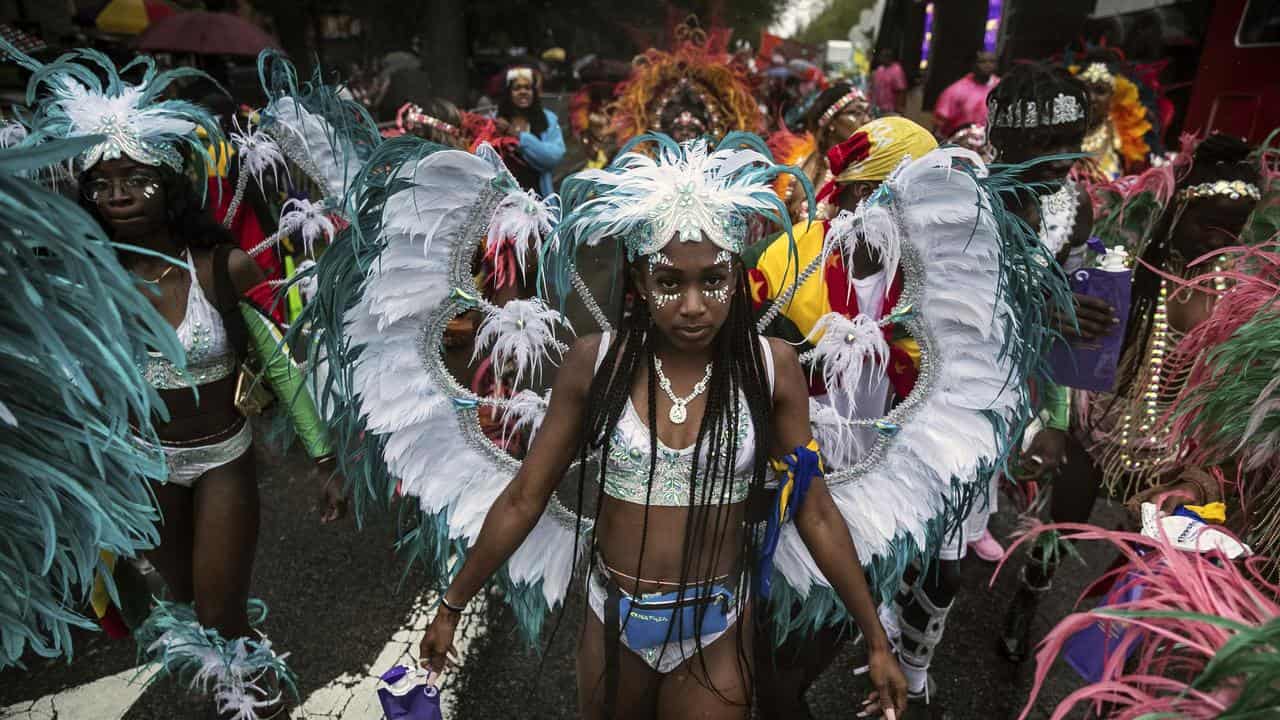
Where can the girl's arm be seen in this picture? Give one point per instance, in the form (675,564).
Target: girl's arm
(544,153)
(518,508)
(823,529)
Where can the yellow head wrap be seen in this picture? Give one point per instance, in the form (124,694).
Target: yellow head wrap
(891,139)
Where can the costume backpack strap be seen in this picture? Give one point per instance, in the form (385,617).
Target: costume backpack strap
(227,299)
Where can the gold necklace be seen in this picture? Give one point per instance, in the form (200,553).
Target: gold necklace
(161,277)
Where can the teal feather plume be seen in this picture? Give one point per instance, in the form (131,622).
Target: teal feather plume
(72,326)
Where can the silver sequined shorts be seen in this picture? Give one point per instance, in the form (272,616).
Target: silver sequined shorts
(188,462)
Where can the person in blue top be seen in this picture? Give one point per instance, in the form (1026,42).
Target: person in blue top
(521,116)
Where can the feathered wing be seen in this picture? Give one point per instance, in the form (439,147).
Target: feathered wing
(76,476)
(387,289)
(318,139)
(325,136)
(966,302)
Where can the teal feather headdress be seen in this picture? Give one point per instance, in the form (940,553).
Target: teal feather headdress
(82,93)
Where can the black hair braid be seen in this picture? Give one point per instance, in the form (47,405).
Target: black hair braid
(1217,157)
(1039,83)
(738,373)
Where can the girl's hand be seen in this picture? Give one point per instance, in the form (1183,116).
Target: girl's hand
(437,650)
(1045,455)
(890,695)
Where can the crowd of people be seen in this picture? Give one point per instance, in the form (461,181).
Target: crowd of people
(828,339)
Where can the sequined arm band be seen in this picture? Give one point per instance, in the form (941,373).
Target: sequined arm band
(1055,407)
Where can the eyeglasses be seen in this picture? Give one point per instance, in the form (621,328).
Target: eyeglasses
(138,183)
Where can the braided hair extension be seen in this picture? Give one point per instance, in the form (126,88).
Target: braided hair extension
(1218,157)
(738,374)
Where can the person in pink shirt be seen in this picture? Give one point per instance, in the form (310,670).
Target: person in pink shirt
(964,102)
(888,83)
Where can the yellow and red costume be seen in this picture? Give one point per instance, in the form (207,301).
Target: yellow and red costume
(869,155)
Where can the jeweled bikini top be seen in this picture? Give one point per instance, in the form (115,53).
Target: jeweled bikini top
(627,467)
(203,336)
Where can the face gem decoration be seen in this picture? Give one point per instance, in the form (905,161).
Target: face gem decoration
(721,295)
(661,300)
(659,258)
(724,258)
(149,191)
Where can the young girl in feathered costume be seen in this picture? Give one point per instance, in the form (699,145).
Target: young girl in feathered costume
(133,179)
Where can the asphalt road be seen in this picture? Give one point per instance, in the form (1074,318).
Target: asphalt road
(340,608)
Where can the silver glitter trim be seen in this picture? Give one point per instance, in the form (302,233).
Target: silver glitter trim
(466,296)
(242,183)
(914,281)
(785,297)
(292,147)
(164,375)
(580,286)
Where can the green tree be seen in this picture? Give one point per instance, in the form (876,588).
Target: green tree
(834,22)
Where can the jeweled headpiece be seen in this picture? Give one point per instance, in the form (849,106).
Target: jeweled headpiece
(411,115)
(853,96)
(1234,189)
(1098,73)
(1064,109)
(82,93)
(687,191)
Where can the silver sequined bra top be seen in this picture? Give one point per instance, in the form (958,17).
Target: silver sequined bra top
(203,336)
(627,467)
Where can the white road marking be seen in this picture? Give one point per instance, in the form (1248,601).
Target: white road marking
(350,696)
(355,696)
(107,698)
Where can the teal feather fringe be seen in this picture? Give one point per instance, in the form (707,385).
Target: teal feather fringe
(72,325)
(791,611)
(242,674)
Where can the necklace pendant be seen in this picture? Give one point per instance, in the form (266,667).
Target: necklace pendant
(678,414)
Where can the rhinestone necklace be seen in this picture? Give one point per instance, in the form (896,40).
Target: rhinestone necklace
(679,410)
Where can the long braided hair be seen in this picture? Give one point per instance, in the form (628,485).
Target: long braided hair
(738,377)
(1218,157)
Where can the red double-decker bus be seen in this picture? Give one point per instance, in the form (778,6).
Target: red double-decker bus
(1237,86)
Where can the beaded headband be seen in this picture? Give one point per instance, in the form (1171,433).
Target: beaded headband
(1097,73)
(1064,109)
(1234,189)
(703,98)
(521,73)
(411,114)
(838,106)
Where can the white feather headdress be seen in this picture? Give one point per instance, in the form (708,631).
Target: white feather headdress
(686,191)
(82,93)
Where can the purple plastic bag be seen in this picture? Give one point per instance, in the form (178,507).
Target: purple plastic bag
(1091,364)
(1087,650)
(405,695)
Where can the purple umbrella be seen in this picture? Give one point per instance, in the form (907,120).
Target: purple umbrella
(206,33)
